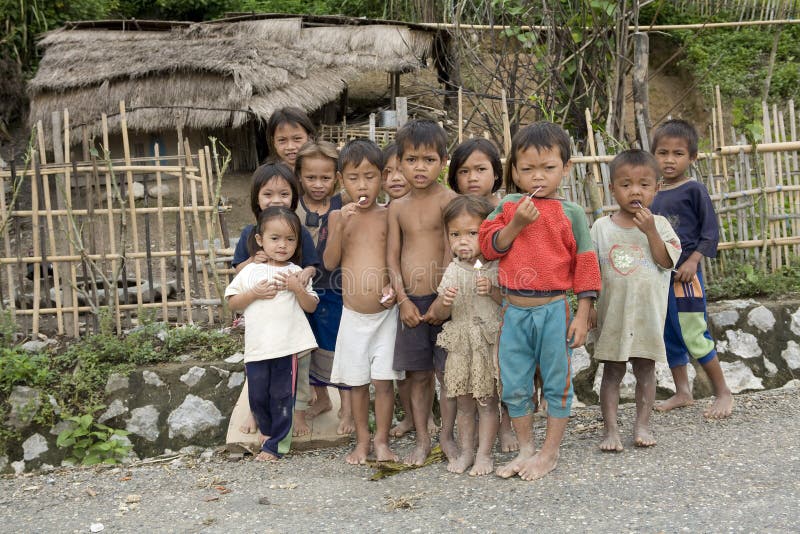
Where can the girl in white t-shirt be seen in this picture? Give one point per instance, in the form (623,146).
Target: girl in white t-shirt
(274,298)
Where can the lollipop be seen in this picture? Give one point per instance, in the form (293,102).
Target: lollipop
(477,266)
(535,191)
(362,200)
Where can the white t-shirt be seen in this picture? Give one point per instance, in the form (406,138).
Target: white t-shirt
(275,327)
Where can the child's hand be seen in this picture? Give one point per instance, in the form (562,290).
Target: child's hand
(265,289)
(526,213)
(483,285)
(576,333)
(305,275)
(431,319)
(388,296)
(294,283)
(409,313)
(281,281)
(260,257)
(347,211)
(592,318)
(644,220)
(687,271)
(449,295)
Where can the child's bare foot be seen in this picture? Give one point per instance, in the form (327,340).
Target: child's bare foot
(249,426)
(611,441)
(432,428)
(484,465)
(449,447)
(402,428)
(300,427)
(321,405)
(265,456)
(679,400)
(460,464)
(537,466)
(358,456)
(508,440)
(721,407)
(384,454)
(346,425)
(261,439)
(513,467)
(418,455)
(642,437)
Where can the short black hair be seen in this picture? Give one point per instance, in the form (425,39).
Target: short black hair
(465,150)
(473,204)
(264,174)
(278,212)
(389,152)
(676,128)
(422,132)
(634,158)
(288,115)
(358,150)
(540,135)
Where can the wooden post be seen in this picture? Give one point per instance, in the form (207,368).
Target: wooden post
(162,245)
(591,185)
(506,126)
(401,103)
(460,114)
(73,270)
(641,102)
(111,235)
(45,190)
(123,120)
(372,127)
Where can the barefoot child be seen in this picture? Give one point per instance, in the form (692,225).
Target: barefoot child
(637,251)
(544,249)
(686,205)
(315,167)
(288,129)
(272,297)
(417,252)
(365,344)
(468,293)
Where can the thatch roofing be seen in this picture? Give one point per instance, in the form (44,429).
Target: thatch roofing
(215,74)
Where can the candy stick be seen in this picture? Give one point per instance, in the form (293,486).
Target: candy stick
(639,204)
(477,265)
(535,191)
(361,200)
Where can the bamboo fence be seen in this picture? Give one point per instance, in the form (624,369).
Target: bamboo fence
(86,242)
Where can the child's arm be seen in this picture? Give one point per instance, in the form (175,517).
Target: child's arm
(576,333)
(307,299)
(526,213)
(646,223)
(442,307)
(409,313)
(709,233)
(333,248)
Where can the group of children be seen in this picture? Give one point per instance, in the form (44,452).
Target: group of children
(452,284)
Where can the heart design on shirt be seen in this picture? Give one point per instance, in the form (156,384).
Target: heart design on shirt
(626,258)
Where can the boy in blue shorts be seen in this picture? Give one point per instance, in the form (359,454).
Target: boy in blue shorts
(687,206)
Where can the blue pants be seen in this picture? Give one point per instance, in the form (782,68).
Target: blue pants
(531,336)
(271,393)
(686,328)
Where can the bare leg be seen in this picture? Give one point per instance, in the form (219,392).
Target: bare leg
(508,440)
(613,372)
(300,426)
(723,402)
(523,427)
(488,422)
(465,414)
(546,459)
(346,423)
(321,404)
(421,401)
(359,396)
(432,428)
(683,394)
(448,407)
(645,372)
(407,424)
(384,407)
(249,426)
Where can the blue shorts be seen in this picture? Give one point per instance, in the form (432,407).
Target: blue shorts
(686,328)
(531,336)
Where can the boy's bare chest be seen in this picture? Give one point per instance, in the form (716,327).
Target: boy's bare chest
(427,221)
(367,232)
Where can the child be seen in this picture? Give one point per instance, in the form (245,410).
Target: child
(365,344)
(544,248)
(394,183)
(637,251)
(315,166)
(469,292)
(475,169)
(686,204)
(417,252)
(273,298)
(288,129)
(275,185)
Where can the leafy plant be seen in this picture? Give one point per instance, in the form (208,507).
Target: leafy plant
(745,281)
(92,443)
(17,367)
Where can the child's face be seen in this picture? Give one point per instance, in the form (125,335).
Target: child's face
(394,183)
(278,240)
(476,175)
(672,154)
(421,165)
(540,170)
(362,182)
(276,192)
(288,139)
(634,187)
(318,176)
(462,232)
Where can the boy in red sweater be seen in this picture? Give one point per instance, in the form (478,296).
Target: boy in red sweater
(544,249)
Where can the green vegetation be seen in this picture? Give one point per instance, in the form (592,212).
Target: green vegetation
(92,443)
(745,281)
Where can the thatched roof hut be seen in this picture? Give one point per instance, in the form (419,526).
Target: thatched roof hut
(219,74)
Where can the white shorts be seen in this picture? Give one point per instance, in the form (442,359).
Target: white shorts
(365,348)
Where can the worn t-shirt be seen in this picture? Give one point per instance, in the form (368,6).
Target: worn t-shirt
(275,327)
(632,307)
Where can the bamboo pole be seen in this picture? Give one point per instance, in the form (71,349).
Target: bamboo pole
(783,231)
(208,181)
(591,184)
(12,293)
(199,235)
(123,120)
(73,270)
(506,126)
(95,257)
(460,115)
(51,232)
(162,262)
(181,217)
(111,237)
(37,267)
(632,27)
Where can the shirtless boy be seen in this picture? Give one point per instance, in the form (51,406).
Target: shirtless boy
(417,254)
(365,344)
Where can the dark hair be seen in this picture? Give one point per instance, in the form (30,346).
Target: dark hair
(389,152)
(283,213)
(358,150)
(473,204)
(676,128)
(462,153)
(315,149)
(288,115)
(634,158)
(540,135)
(421,133)
(264,174)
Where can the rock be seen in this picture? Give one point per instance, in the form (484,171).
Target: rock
(54,403)
(235,380)
(743,344)
(791,354)
(35,345)
(235,358)
(122,439)
(761,318)
(116,409)
(152,379)
(738,304)
(580,360)
(664,376)
(3,463)
(191,450)
(206,455)
(740,377)
(770,368)
(724,318)
(154,190)
(98,527)
(138,190)
(33,447)
(627,389)
(61,426)
(24,402)
(193,376)
(192,416)
(116,382)
(795,326)
(184,358)
(223,373)
(132,498)
(144,422)
(18,467)
(793,383)
(263,500)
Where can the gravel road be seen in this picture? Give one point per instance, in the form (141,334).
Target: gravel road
(742,474)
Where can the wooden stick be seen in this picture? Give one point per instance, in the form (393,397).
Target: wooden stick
(460,115)
(37,267)
(123,121)
(506,125)
(94,257)
(111,237)
(591,183)
(45,185)
(199,235)
(12,293)
(187,291)
(162,244)
(147,247)
(73,271)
